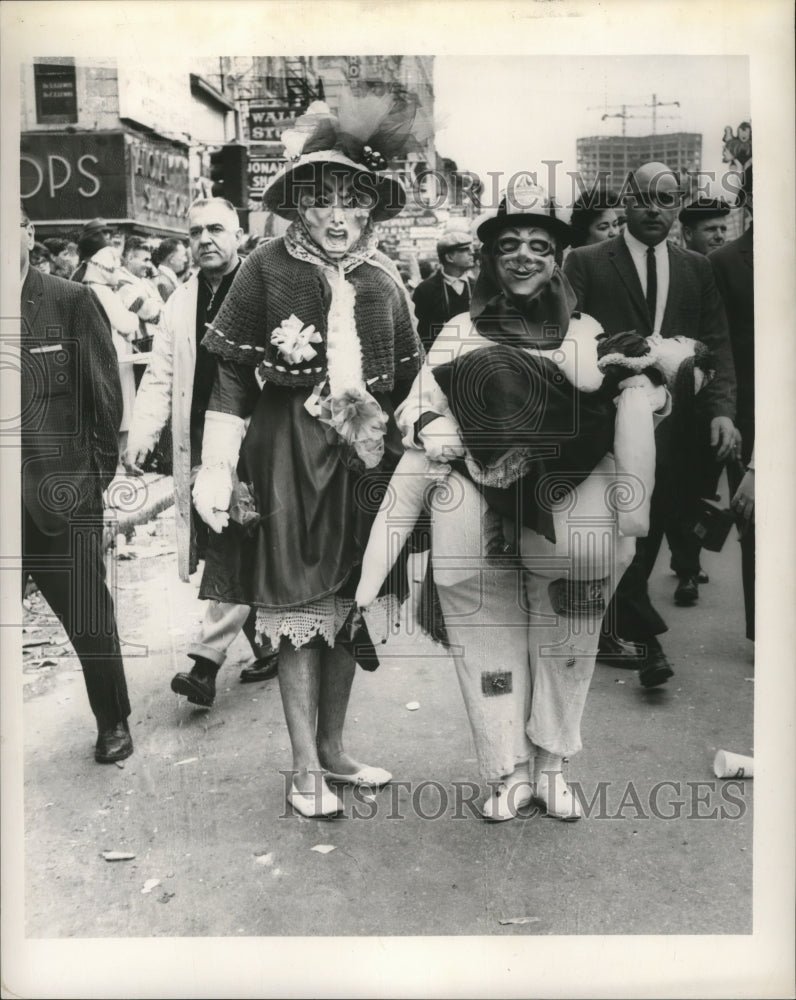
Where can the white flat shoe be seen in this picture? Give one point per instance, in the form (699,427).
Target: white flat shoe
(372,777)
(554,794)
(315,805)
(505,800)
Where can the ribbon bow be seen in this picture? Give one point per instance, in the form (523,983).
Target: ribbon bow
(293,339)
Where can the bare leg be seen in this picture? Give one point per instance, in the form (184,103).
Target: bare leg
(299,685)
(337,676)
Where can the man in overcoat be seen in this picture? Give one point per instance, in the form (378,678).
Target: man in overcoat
(71,408)
(177,384)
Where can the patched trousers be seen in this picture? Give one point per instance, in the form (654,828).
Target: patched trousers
(524,627)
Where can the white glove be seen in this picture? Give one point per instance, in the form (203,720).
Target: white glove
(441,439)
(657,395)
(150,310)
(212,490)
(139,445)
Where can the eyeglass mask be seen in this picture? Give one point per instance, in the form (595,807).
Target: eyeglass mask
(511,244)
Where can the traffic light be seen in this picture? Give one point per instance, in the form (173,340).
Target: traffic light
(228,172)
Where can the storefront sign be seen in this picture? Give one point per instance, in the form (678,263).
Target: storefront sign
(56,94)
(159,184)
(111,175)
(80,176)
(261,170)
(266,123)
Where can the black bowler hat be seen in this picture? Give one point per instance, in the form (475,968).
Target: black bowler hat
(96,225)
(527,205)
(703,208)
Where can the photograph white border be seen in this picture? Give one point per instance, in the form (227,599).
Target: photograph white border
(758,965)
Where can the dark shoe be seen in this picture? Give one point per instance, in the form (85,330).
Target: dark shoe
(687,592)
(655,669)
(702,577)
(619,652)
(199,686)
(261,670)
(113,743)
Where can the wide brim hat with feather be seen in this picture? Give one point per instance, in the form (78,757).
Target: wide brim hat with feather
(365,135)
(525,204)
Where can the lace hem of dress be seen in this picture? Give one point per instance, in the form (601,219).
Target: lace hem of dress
(325,617)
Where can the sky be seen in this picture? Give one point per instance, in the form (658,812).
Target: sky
(508,113)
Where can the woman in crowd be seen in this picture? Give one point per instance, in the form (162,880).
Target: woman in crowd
(320,319)
(595,219)
(103,274)
(528,542)
(65,256)
(41,258)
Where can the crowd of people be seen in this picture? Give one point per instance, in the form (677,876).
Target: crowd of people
(576,381)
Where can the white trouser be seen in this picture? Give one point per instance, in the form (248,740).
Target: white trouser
(524,653)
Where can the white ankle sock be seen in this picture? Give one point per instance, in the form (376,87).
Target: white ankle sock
(520,775)
(546,762)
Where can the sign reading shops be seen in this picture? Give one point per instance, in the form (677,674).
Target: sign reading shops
(73,177)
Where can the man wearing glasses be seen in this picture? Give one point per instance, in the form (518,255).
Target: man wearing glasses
(447,292)
(639,281)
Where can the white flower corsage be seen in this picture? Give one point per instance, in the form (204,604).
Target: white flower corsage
(293,340)
(356,417)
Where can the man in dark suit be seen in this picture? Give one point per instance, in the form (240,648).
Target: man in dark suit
(447,292)
(71,408)
(638,281)
(733,266)
(703,223)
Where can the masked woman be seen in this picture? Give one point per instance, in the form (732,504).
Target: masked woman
(531,530)
(315,341)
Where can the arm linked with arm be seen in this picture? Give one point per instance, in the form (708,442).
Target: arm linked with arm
(232,400)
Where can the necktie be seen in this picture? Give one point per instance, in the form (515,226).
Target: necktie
(652,285)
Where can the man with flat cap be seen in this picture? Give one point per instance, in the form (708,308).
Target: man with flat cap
(704,224)
(447,292)
(639,281)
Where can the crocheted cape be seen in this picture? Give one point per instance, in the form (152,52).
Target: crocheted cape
(272,285)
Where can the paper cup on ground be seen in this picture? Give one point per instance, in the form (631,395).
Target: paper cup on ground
(733,765)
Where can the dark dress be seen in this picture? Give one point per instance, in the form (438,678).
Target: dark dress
(294,545)
(315,508)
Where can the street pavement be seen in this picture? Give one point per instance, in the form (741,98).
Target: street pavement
(201,803)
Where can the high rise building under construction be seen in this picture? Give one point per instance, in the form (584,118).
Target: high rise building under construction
(614,156)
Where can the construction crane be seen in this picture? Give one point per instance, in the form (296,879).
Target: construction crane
(624,115)
(660,104)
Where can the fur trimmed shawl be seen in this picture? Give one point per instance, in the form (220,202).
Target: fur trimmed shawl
(272,286)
